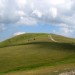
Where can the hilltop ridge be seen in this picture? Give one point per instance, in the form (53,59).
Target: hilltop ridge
(35,37)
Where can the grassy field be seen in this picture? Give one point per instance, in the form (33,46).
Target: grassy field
(36,54)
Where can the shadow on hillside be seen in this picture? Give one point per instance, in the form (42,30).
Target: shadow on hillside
(54,45)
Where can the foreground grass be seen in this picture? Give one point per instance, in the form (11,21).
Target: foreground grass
(49,70)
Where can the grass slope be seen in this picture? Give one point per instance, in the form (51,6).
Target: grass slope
(30,51)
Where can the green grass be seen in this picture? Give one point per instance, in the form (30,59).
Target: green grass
(31,51)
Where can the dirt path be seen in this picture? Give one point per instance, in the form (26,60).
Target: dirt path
(51,38)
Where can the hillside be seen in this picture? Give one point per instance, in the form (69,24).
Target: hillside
(36,50)
(33,37)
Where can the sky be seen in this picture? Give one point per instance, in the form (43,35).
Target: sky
(37,16)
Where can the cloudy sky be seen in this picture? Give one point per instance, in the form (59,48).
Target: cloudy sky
(45,16)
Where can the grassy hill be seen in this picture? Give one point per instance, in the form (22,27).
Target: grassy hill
(36,50)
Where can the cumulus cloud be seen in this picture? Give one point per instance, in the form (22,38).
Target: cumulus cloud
(21,3)
(18,33)
(37,13)
(53,12)
(2,27)
(31,12)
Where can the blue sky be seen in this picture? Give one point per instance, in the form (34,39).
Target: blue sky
(38,28)
(36,16)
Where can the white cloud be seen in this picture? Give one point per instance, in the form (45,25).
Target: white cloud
(53,12)
(30,12)
(65,30)
(20,13)
(18,33)
(21,3)
(35,9)
(37,13)
(26,21)
(56,2)
(2,27)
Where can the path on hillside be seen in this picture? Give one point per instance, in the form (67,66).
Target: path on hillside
(52,39)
